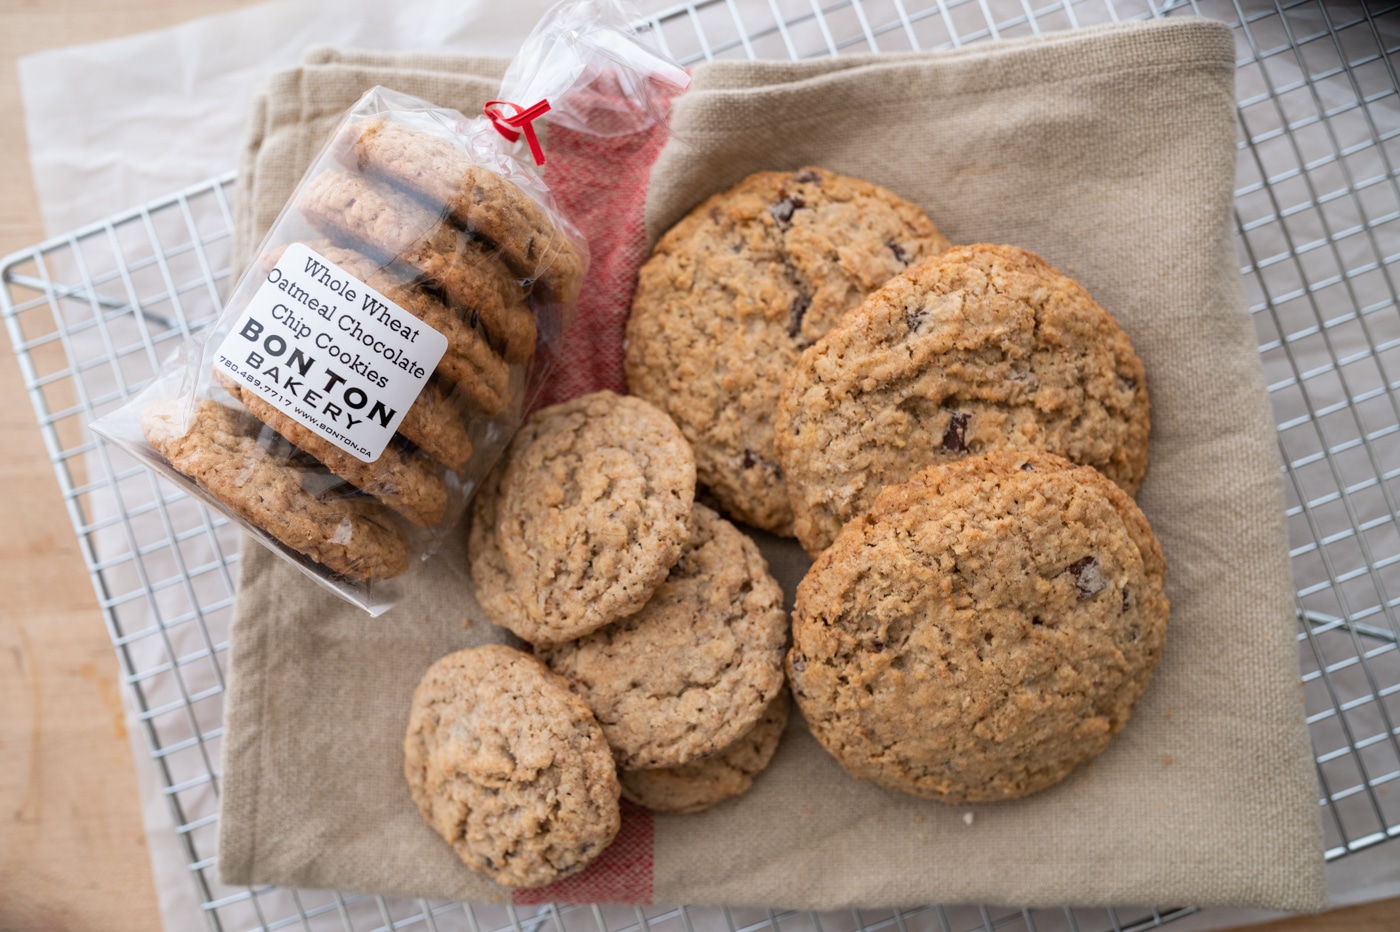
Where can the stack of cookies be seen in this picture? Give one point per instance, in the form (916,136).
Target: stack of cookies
(409,213)
(954,433)
(658,615)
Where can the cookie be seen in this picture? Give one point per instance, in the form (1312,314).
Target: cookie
(703,783)
(477,199)
(406,481)
(470,365)
(353,209)
(980,348)
(582,518)
(982,630)
(437,425)
(269,484)
(509,767)
(695,668)
(734,292)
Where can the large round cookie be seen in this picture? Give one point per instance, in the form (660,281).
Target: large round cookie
(509,767)
(985,628)
(733,293)
(724,775)
(582,518)
(694,669)
(980,348)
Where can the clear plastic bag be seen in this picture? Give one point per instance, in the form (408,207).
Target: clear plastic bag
(373,361)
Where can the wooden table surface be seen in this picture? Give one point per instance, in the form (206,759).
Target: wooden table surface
(72,847)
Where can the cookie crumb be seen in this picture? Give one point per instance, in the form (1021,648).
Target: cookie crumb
(969,818)
(1166,762)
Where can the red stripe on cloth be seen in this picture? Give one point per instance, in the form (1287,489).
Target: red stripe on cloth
(622,873)
(600,183)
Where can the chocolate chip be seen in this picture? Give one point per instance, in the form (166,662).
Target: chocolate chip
(1036,622)
(955,434)
(899,254)
(1127,384)
(1088,578)
(915,316)
(749,461)
(474,319)
(800,304)
(783,210)
(877,646)
(809,177)
(799,663)
(1027,467)
(1134,634)
(1126,603)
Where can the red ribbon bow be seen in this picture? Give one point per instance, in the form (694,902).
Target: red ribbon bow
(512,126)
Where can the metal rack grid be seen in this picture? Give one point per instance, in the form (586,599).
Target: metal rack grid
(91,314)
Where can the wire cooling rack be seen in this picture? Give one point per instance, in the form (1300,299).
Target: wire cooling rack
(91,314)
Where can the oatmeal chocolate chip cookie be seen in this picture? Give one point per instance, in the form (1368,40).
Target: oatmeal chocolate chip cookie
(401,478)
(437,425)
(270,487)
(352,208)
(695,668)
(982,630)
(477,199)
(733,293)
(509,767)
(703,783)
(470,365)
(582,518)
(980,348)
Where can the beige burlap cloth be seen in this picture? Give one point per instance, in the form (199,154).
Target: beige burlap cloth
(1109,152)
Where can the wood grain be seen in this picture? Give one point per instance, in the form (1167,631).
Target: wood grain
(72,847)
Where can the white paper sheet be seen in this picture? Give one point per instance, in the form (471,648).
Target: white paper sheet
(115,124)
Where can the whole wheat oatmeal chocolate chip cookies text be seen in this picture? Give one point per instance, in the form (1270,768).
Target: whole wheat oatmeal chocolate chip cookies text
(733,293)
(984,629)
(980,348)
(509,767)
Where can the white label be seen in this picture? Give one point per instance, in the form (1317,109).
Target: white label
(331,352)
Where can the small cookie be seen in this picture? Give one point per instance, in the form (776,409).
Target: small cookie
(269,486)
(470,364)
(982,630)
(980,348)
(349,207)
(695,668)
(736,290)
(404,480)
(582,518)
(509,767)
(476,198)
(703,783)
(437,425)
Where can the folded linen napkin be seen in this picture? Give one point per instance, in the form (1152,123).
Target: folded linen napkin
(1111,153)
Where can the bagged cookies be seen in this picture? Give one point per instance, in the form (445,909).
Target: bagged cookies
(386,340)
